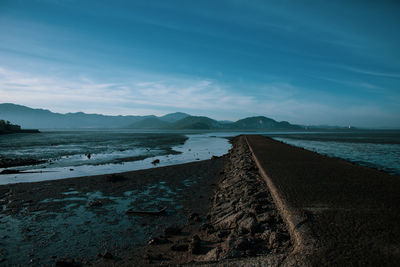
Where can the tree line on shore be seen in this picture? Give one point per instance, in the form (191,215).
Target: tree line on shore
(6,126)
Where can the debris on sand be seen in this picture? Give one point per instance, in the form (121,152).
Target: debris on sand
(144,212)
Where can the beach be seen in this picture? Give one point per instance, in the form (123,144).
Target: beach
(263,203)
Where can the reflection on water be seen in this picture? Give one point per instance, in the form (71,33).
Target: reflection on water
(197,147)
(116,151)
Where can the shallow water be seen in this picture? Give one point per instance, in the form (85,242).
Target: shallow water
(196,147)
(376,150)
(78,230)
(114,151)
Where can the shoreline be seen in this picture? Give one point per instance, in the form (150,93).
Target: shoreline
(195,148)
(193,206)
(265,202)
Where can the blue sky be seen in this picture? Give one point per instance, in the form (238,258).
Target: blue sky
(308,62)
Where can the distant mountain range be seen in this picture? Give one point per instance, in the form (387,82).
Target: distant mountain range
(40,118)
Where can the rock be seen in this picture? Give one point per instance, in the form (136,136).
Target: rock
(266,219)
(195,245)
(273,240)
(213,254)
(231,254)
(108,255)
(180,247)
(231,221)
(172,230)
(223,233)
(95,203)
(243,244)
(158,241)
(206,226)
(67,263)
(150,257)
(248,225)
(194,217)
(155,162)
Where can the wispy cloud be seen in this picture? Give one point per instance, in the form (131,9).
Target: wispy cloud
(371,72)
(367,86)
(167,94)
(160,95)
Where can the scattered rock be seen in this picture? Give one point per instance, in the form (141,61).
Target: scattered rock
(248,225)
(194,217)
(151,257)
(95,203)
(213,254)
(180,247)
(67,263)
(223,233)
(158,241)
(195,245)
(108,255)
(172,230)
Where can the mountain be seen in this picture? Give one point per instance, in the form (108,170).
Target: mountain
(41,118)
(173,117)
(196,122)
(262,122)
(150,123)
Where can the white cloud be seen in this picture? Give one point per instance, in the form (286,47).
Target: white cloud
(85,93)
(158,96)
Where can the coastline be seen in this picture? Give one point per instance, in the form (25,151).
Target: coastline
(226,202)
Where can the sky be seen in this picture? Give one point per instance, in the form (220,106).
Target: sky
(306,62)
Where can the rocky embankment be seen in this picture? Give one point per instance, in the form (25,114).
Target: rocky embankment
(242,223)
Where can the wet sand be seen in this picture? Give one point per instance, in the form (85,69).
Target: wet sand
(217,211)
(264,204)
(85,219)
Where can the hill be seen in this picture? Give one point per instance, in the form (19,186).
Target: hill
(196,122)
(173,117)
(41,118)
(262,122)
(150,123)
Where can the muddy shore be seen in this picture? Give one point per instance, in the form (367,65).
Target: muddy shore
(217,210)
(85,220)
(265,203)
(240,227)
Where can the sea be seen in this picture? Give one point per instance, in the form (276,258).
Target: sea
(77,152)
